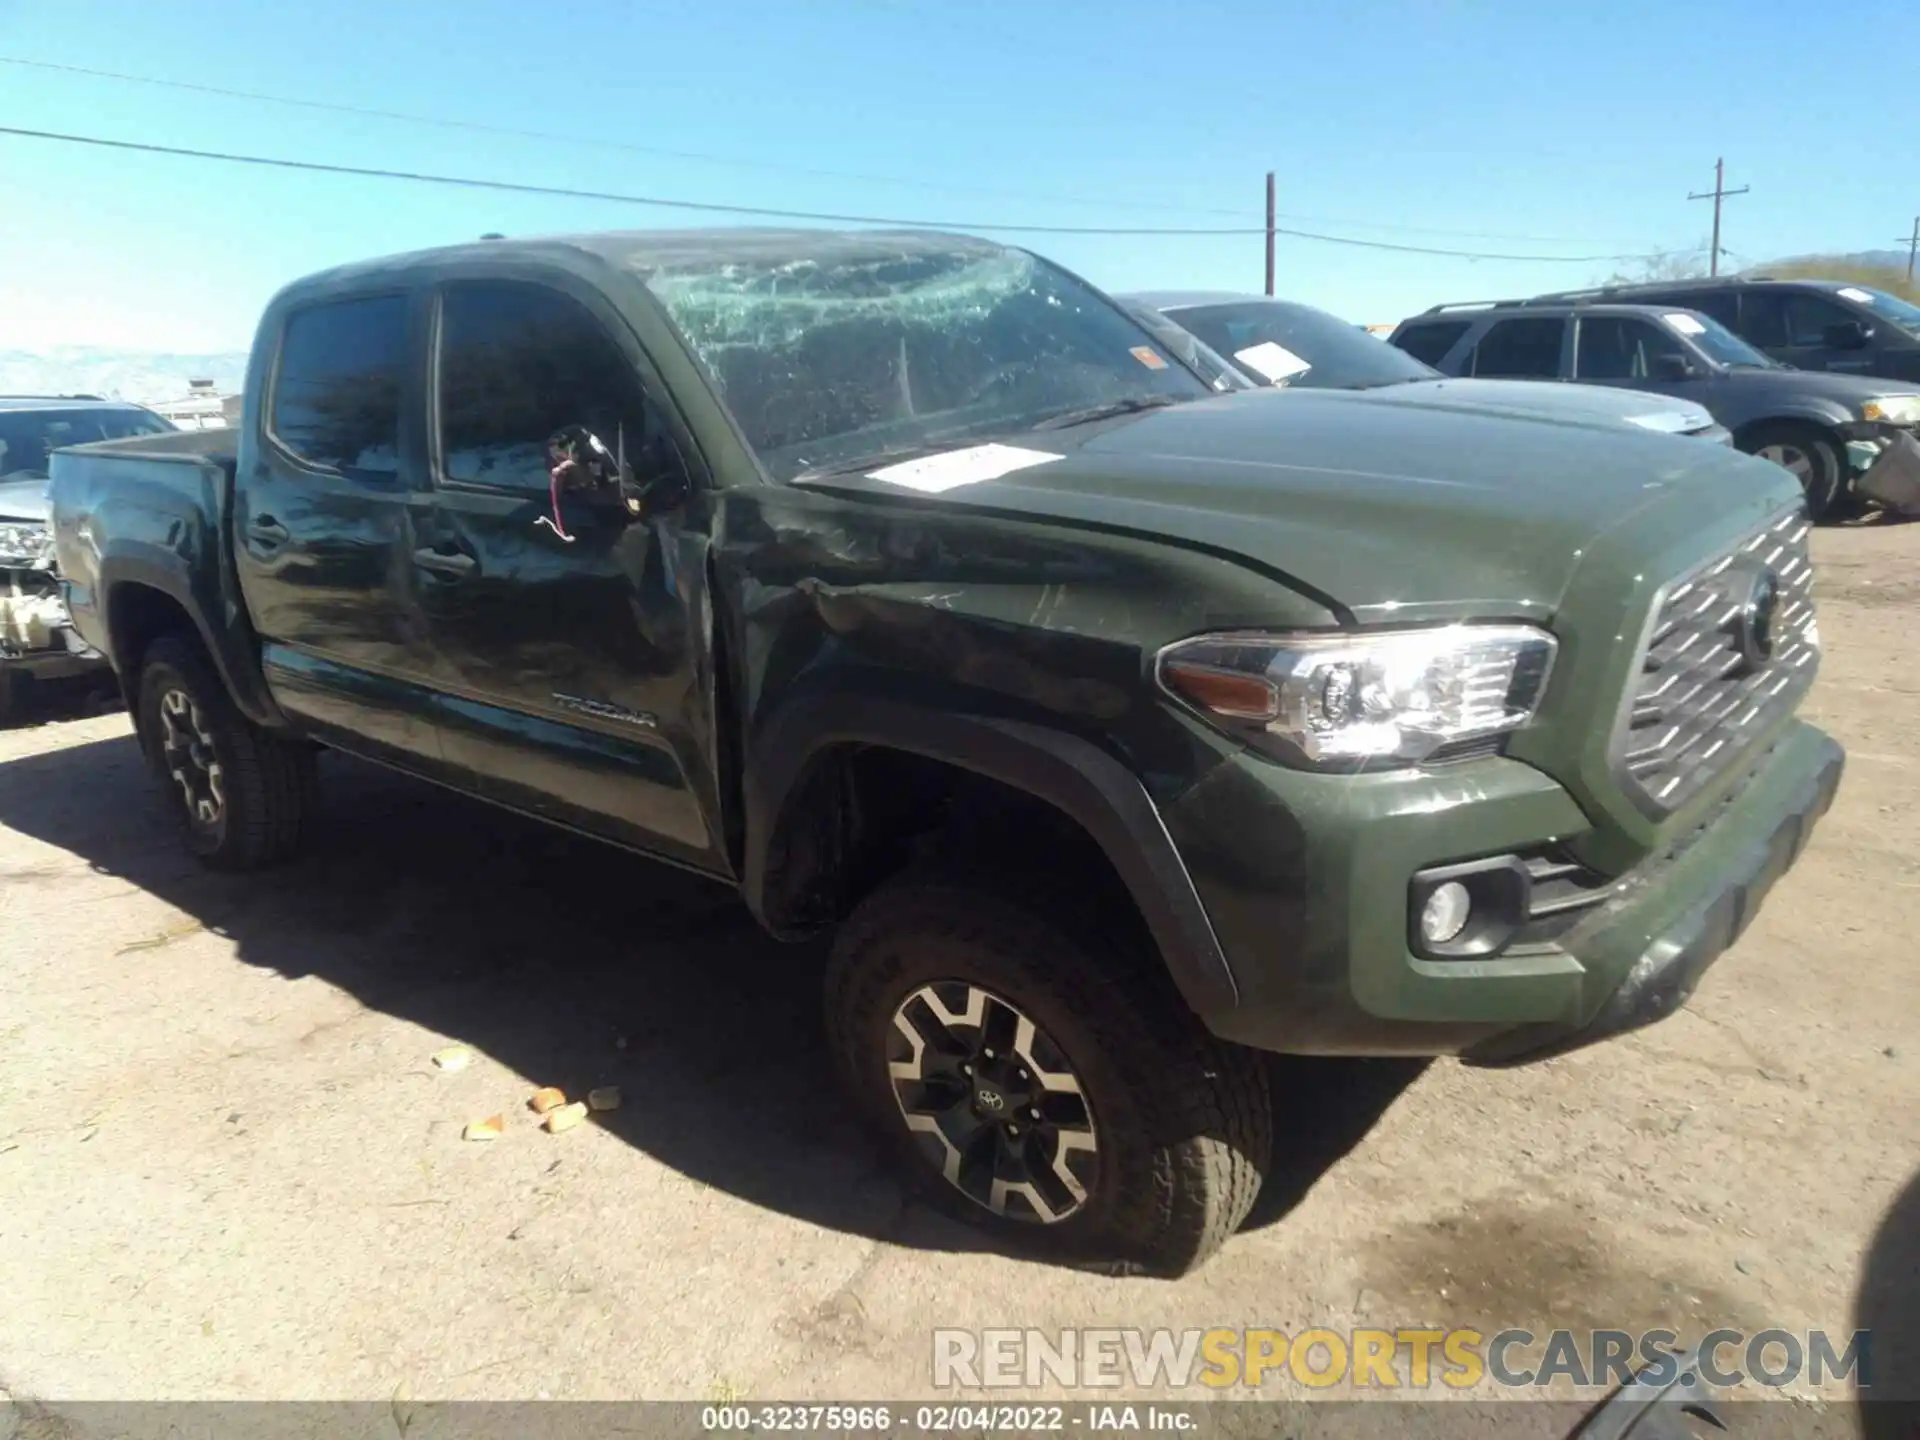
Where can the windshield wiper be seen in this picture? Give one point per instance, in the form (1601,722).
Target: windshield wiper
(1132,405)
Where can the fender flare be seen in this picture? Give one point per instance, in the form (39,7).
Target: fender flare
(237,665)
(1076,777)
(1819,413)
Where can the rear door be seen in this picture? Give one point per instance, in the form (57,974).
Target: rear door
(569,639)
(321,541)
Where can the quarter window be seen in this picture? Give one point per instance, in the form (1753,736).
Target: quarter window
(336,398)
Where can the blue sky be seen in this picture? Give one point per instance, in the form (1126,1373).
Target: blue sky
(1519,128)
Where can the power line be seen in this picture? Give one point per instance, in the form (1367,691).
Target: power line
(601,142)
(464,182)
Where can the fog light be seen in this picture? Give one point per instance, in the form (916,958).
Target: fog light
(1446,913)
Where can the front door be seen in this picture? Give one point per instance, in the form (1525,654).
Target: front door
(1793,327)
(569,636)
(321,527)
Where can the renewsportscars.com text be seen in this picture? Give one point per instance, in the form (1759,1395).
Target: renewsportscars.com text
(1415,1359)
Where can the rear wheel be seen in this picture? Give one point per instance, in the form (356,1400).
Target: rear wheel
(1042,1082)
(1813,457)
(239,792)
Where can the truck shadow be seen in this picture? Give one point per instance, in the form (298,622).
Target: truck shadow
(571,961)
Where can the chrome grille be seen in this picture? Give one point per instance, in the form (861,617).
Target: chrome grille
(1705,686)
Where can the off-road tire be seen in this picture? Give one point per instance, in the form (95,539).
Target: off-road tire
(1184,1121)
(267,781)
(1825,480)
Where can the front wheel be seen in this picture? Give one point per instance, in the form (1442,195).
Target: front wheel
(239,793)
(1815,460)
(1045,1085)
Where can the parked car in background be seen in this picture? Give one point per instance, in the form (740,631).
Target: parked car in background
(37,640)
(1812,324)
(1269,342)
(1843,436)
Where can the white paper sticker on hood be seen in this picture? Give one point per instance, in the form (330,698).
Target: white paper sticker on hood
(972,466)
(1276,362)
(1686,325)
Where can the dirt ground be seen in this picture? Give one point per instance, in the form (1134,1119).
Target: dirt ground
(228,1167)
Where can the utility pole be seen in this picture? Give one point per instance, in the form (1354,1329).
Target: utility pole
(1270,233)
(1913,248)
(1718,194)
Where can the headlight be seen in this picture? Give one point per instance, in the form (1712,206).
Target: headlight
(1342,701)
(26,544)
(1893,410)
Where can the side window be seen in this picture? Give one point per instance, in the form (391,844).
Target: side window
(1721,305)
(1809,315)
(1519,349)
(1429,344)
(517,363)
(1616,347)
(1763,318)
(336,395)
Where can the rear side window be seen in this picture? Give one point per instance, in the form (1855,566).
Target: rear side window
(336,398)
(1430,343)
(1519,349)
(519,362)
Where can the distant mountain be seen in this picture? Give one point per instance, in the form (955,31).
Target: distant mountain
(146,376)
(1871,259)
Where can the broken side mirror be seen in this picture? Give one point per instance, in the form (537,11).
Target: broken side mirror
(584,468)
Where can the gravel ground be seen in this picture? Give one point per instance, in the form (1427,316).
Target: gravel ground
(228,1167)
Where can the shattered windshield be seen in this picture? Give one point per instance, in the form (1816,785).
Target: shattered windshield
(872,352)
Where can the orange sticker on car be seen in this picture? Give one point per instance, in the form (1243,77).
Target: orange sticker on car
(1148,357)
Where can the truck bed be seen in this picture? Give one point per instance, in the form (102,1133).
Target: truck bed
(164,502)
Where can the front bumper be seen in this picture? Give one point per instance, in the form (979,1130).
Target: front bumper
(1889,472)
(37,637)
(1314,923)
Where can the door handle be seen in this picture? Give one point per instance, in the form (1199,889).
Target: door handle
(446,562)
(268,531)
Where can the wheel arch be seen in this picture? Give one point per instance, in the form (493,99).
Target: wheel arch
(142,601)
(799,747)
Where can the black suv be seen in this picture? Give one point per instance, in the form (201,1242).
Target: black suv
(1844,436)
(1814,324)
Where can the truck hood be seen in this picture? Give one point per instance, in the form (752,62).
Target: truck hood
(1553,401)
(1382,512)
(25,499)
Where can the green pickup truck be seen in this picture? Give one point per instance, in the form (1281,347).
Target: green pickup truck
(1118,730)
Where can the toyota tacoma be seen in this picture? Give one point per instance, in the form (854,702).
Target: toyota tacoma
(1117,729)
